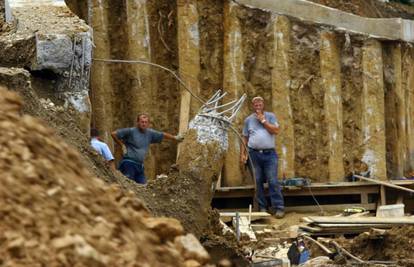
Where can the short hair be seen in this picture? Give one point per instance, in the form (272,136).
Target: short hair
(257,98)
(142,115)
(94,132)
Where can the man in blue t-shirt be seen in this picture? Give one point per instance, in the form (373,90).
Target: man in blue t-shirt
(259,133)
(137,141)
(102,148)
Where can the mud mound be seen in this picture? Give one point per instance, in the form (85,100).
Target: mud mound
(186,193)
(395,245)
(370,8)
(55,213)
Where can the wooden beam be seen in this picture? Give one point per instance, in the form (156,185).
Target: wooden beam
(188,57)
(392,29)
(330,63)
(373,118)
(281,103)
(334,207)
(383,195)
(101,86)
(409,97)
(361,220)
(233,80)
(384,183)
(401,141)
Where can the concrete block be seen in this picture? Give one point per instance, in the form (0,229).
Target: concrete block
(396,210)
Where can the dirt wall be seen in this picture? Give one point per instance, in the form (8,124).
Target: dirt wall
(307,104)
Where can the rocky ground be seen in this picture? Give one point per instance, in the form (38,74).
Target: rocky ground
(56,213)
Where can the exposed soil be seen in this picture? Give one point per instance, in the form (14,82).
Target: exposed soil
(311,152)
(395,245)
(186,193)
(370,8)
(55,213)
(351,68)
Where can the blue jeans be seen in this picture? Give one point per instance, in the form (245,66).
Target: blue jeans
(265,169)
(133,170)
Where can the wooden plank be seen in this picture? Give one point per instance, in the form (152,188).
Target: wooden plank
(333,207)
(253,214)
(325,185)
(227,216)
(383,196)
(388,184)
(361,220)
(353,225)
(364,198)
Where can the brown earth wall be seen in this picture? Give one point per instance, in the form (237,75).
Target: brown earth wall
(307,104)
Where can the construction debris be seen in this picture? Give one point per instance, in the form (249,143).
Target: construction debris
(329,225)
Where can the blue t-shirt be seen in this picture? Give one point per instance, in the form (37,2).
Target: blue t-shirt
(137,142)
(258,136)
(102,149)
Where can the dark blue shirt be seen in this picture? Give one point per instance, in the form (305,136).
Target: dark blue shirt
(137,142)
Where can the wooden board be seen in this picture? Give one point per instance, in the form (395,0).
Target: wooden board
(227,216)
(361,220)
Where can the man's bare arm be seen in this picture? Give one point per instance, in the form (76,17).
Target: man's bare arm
(169,136)
(243,152)
(271,128)
(116,139)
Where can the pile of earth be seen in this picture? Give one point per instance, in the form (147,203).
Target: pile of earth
(371,8)
(394,245)
(56,213)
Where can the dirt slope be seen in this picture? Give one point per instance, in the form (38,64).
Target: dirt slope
(56,213)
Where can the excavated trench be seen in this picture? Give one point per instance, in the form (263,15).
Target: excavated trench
(149,31)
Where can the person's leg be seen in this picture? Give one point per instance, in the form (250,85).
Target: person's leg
(270,172)
(259,175)
(128,169)
(140,174)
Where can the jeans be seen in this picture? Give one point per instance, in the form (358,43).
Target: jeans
(133,170)
(265,169)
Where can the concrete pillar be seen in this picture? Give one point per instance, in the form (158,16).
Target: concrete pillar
(188,57)
(373,121)
(101,88)
(285,141)
(140,75)
(232,84)
(331,81)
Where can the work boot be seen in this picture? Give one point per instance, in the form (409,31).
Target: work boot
(279,214)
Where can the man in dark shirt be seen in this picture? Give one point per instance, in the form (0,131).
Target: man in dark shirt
(137,141)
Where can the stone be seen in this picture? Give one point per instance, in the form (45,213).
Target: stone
(190,248)
(192,263)
(166,228)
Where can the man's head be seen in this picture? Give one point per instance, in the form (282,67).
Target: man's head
(258,104)
(94,133)
(143,121)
